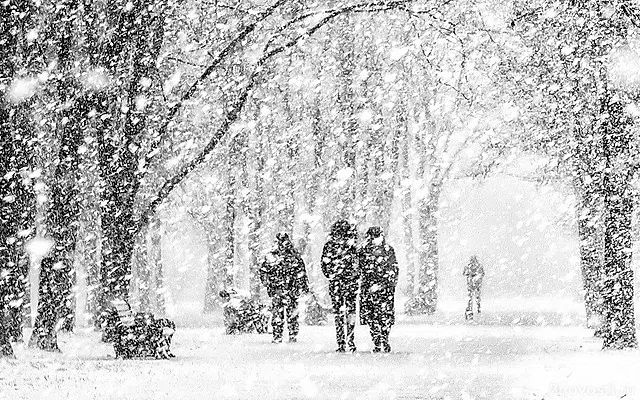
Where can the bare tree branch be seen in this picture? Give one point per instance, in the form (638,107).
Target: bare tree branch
(173,111)
(234,111)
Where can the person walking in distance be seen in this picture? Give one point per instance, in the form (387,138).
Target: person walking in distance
(474,272)
(340,265)
(284,275)
(379,274)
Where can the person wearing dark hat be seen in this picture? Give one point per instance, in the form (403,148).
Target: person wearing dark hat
(379,274)
(283,274)
(340,265)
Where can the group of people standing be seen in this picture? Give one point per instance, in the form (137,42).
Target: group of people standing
(370,270)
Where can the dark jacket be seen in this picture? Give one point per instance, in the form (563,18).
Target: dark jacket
(379,274)
(340,260)
(283,272)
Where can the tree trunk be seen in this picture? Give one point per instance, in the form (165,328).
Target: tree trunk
(425,297)
(428,251)
(17,219)
(143,268)
(155,247)
(56,269)
(318,136)
(619,330)
(391,182)
(230,237)
(256,205)
(130,52)
(55,303)
(589,215)
(408,217)
(5,345)
(17,208)
(346,103)
(590,236)
(215,279)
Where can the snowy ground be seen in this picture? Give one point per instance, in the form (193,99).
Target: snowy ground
(501,356)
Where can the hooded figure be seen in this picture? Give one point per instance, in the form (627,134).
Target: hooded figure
(379,273)
(474,272)
(283,274)
(340,266)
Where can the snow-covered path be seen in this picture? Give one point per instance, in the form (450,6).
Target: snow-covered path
(428,361)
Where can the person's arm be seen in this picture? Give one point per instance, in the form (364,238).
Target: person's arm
(262,272)
(302,278)
(393,267)
(325,261)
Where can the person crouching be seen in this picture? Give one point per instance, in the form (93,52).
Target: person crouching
(379,276)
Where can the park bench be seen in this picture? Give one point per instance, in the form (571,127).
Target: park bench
(137,334)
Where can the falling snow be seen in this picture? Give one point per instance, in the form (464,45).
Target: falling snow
(355,199)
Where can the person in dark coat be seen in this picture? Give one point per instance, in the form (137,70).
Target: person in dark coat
(379,274)
(474,272)
(340,265)
(283,274)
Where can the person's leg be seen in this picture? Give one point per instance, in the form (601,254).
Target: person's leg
(350,311)
(339,315)
(478,299)
(385,329)
(277,305)
(468,314)
(374,328)
(292,317)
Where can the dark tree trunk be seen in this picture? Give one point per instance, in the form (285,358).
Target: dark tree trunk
(138,31)
(17,208)
(17,219)
(117,230)
(143,268)
(5,345)
(93,251)
(589,215)
(56,269)
(590,236)
(619,330)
